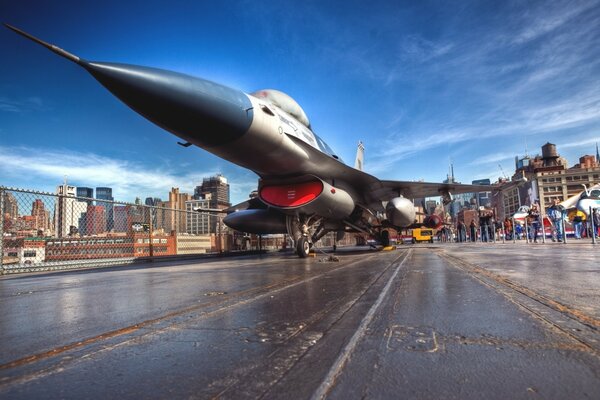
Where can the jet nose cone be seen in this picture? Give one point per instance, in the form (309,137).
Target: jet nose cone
(199,111)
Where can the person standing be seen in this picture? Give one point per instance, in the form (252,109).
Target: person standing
(577,220)
(483,224)
(462,231)
(508,231)
(473,229)
(555,213)
(493,229)
(534,215)
(518,230)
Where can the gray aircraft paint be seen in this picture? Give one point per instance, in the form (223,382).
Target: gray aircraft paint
(269,135)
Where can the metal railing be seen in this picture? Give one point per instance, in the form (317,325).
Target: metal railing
(46,231)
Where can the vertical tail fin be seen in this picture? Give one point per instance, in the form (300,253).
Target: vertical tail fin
(360,155)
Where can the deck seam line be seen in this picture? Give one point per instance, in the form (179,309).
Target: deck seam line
(329,380)
(221,306)
(502,286)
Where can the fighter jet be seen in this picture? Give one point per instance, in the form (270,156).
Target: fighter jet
(588,198)
(304,188)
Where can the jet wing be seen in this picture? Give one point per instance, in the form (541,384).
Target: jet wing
(387,190)
(373,189)
(250,204)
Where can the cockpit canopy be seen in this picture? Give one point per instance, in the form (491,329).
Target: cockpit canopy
(285,102)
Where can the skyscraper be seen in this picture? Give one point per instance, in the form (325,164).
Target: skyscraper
(198,223)
(67,211)
(11,207)
(95,220)
(105,193)
(120,216)
(40,215)
(152,201)
(215,189)
(483,198)
(85,192)
(218,188)
(176,221)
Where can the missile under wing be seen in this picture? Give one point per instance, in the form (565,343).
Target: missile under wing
(304,189)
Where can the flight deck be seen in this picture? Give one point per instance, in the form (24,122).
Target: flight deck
(464,321)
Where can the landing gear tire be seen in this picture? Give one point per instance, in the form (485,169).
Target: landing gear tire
(303,247)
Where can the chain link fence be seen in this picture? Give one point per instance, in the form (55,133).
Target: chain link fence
(46,231)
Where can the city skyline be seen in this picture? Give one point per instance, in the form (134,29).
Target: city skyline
(472,84)
(538,180)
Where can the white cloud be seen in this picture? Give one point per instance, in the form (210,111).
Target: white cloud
(47,169)
(492,158)
(548,19)
(498,84)
(240,188)
(580,143)
(21,105)
(404,146)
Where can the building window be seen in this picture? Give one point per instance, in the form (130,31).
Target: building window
(29,253)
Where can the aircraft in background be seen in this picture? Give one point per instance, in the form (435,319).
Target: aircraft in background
(584,200)
(304,189)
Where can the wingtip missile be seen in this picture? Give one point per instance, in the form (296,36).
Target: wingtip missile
(51,47)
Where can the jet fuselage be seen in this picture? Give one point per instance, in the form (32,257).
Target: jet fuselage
(305,189)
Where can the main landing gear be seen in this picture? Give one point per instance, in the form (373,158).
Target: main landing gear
(305,231)
(303,247)
(384,238)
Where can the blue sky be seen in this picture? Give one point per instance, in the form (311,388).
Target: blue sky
(422,84)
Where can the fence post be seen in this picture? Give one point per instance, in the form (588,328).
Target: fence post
(544,229)
(591,218)
(526,231)
(219,241)
(564,226)
(151,228)
(1,231)
(514,231)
